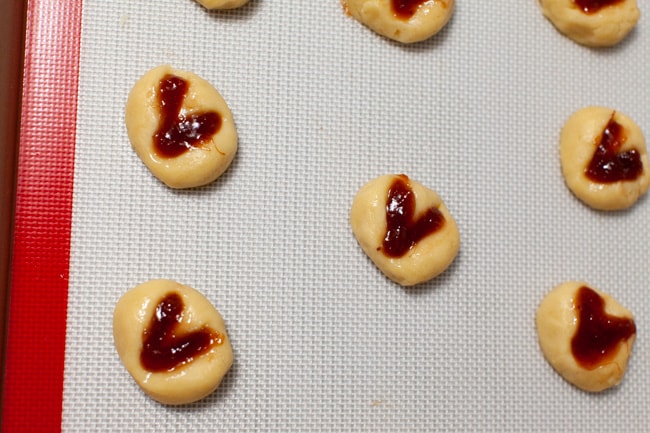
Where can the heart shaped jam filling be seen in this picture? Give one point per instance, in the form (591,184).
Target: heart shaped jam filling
(164,347)
(599,334)
(403,230)
(608,164)
(177,132)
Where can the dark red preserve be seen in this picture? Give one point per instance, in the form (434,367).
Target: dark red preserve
(599,334)
(164,348)
(593,6)
(405,9)
(177,133)
(403,229)
(608,164)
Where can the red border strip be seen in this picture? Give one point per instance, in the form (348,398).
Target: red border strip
(33,394)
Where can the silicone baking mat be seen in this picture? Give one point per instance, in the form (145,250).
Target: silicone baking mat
(322,341)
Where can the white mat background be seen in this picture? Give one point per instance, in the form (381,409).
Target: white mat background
(322,341)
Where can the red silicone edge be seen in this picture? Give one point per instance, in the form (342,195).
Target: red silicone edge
(36,330)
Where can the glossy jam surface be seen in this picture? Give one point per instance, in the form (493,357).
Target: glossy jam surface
(178,132)
(598,336)
(608,164)
(403,230)
(593,6)
(405,9)
(164,347)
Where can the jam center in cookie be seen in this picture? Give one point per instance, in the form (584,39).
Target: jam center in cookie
(598,335)
(179,132)
(164,347)
(609,164)
(592,6)
(405,9)
(403,230)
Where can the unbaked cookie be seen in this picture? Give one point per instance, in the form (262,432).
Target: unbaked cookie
(181,127)
(404,21)
(585,335)
(604,158)
(595,23)
(405,228)
(222,4)
(172,341)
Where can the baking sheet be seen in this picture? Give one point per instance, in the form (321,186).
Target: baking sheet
(322,341)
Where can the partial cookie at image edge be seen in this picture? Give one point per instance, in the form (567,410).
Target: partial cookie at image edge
(603,157)
(221,4)
(428,19)
(605,27)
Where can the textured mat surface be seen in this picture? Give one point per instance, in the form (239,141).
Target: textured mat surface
(322,341)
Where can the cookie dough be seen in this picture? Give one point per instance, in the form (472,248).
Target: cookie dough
(585,335)
(594,23)
(405,229)
(222,4)
(172,341)
(405,21)
(604,158)
(181,127)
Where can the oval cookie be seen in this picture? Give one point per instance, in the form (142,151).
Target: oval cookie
(405,21)
(172,341)
(604,158)
(181,127)
(405,229)
(594,23)
(585,335)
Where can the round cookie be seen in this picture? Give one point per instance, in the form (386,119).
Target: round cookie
(405,21)
(594,23)
(604,158)
(585,335)
(222,4)
(172,341)
(181,127)
(405,229)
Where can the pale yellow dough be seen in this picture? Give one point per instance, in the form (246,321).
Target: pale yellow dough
(198,166)
(428,257)
(604,28)
(579,139)
(428,20)
(222,4)
(556,323)
(189,382)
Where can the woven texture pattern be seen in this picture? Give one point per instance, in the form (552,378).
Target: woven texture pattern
(322,341)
